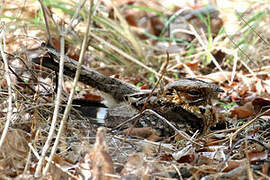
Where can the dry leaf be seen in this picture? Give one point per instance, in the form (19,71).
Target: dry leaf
(244,111)
(213,152)
(13,154)
(134,165)
(255,156)
(166,157)
(98,164)
(145,133)
(101,163)
(234,164)
(261,105)
(193,65)
(218,76)
(186,155)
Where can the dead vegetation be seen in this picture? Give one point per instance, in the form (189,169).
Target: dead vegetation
(129,40)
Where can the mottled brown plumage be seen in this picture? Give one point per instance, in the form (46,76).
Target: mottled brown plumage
(187,100)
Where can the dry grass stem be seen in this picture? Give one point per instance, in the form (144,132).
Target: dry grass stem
(195,33)
(245,126)
(134,60)
(70,99)
(9,101)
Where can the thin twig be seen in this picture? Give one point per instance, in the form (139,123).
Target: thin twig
(150,95)
(238,130)
(266,177)
(28,161)
(241,50)
(246,125)
(79,7)
(235,61)
(181,133)
(63,33)
(27,68)
(32,149)
(195,33)
(69,104)
(136,61)
(46,21)
(9,109)
(56,109)
(252,29)
(265,146)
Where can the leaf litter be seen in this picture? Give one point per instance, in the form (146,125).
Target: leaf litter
(84,152)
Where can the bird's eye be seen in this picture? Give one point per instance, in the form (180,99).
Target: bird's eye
(194,93)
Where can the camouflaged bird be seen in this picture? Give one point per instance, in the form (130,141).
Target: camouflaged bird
(186,101)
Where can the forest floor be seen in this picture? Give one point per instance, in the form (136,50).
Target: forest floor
(139,42)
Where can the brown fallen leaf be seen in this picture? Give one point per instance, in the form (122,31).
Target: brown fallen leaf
(98,164)
(166,157)
(193,65)
(57,172)
(258,105)
(13,154)
(261,105)
(135,166)
(145,133)
(232,164)
(244,111)
(186,155)
(255,156)
(217,76)
(102,163)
